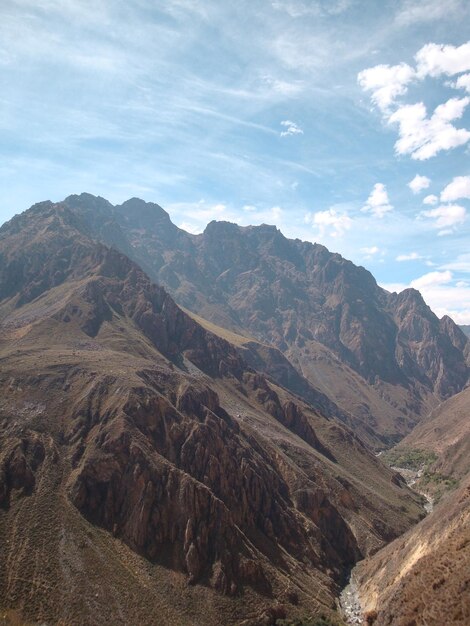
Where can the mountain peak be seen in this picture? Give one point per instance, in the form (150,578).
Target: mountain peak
(141,214)
(218,226)
(88,201)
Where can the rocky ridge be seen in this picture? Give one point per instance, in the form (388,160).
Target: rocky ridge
(383,358)
(129,426)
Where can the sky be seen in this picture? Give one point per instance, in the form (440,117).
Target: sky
(345,122)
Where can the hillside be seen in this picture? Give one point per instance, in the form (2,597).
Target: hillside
(422,578)
(383,358)
(147,472)
(465,329)
(446,432)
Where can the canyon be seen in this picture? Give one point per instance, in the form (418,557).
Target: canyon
(192,427)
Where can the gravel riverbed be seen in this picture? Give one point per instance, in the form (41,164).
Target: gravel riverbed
(349,599)
(350,604)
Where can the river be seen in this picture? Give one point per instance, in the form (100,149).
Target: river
(349,599)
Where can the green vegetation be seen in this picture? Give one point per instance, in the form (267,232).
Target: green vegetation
(437,484)
(430,482)
(408,458)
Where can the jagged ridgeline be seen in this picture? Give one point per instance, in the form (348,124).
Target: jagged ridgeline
(188,423)
(385,359)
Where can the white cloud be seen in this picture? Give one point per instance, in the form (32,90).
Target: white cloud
(191,228)
(458,188)
(330,222)
(371,251)
(437,59)
(432,278)
(424,137)
(442,293)
(431,199)
(419,183)
(415,11)
(283,87)
(412,256)
(377,203)
(460,264)
(421,136)
(302,8)
(296,8)
(459,317)
(272,215)
(386,82)
(291,129)
(446,217)
(201,212)
(462,82)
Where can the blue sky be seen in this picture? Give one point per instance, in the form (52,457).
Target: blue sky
(342,121)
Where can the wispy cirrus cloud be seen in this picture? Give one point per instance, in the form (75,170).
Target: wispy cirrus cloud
(412,256)
(291,128)
(422,11)
(315,8)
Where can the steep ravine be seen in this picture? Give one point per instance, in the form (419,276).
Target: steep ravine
(350,605)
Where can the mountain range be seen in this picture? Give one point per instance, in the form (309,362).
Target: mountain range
(394,358)
(190,423)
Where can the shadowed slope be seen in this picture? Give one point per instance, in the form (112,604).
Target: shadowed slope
(423,578)
(384,358)
(141,453)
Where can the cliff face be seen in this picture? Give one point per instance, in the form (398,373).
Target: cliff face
(446,432)
(385,359)
(141,455)
(423,577)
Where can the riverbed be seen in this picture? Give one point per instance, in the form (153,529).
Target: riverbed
(349,599)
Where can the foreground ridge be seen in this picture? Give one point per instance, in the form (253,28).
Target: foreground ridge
(150,458)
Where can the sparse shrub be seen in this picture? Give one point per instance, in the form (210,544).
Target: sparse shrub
(408,458)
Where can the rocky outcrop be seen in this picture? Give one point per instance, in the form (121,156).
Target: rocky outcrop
(389,356)
(19,460)
(422,577)
(139,444)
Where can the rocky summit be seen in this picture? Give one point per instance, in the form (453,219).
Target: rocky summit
(190,426)
(383,358)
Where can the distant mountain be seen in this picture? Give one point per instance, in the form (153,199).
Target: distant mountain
(385,359)
(465,329)
(149,473)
